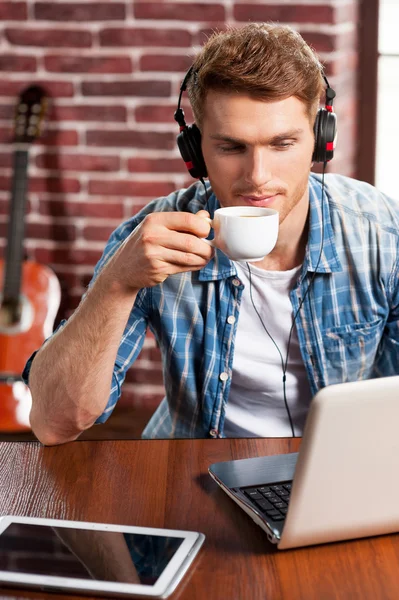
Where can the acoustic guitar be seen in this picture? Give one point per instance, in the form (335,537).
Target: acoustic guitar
(30,295)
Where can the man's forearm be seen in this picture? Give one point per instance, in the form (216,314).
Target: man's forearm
(71,375)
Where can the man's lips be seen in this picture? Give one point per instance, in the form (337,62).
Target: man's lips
(259,199)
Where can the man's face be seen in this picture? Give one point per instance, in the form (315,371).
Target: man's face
(257,153)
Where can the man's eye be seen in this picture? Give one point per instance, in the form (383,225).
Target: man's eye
(284,144)
(231,148)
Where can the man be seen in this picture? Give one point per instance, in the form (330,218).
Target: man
(244,347)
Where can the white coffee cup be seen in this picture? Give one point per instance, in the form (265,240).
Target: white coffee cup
(245,233)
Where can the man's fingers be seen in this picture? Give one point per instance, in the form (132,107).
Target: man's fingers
(180,221)
(184,242)
(204,214)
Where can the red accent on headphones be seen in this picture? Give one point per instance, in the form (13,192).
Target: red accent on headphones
(329,108)
(182,127)
(330,146)
(189,165)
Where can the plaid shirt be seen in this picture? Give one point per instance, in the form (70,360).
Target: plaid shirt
(348,326)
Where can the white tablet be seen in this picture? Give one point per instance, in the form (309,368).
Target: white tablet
(94,558)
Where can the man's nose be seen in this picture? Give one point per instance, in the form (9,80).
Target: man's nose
(258,171)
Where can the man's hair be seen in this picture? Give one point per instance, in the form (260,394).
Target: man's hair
(263,60)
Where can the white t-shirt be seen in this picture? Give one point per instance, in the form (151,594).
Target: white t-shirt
(256,402)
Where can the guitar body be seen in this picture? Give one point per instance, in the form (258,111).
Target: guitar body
(40,297)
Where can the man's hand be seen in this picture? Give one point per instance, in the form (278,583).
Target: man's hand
(163,244)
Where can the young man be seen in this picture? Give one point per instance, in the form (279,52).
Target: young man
(244,347)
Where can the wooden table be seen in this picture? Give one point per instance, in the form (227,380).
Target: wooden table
(166,484)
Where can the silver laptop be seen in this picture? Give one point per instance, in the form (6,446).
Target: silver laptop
(343,483)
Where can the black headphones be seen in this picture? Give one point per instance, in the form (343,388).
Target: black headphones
(189,138)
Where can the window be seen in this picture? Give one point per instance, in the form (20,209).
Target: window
(387,155)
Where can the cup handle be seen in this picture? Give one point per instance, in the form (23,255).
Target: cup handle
(210,242)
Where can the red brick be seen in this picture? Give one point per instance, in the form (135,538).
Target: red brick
(151,375)
(78,162)
(13,11)
(347,62)
(143,405)
(4,209)
(88,64)
(152,37)
(152,189)
(156,165)
(325,42)
(81,12)
(49,184)
(71,302)
(6,159)
(196,11)
(7,111)
(160,114)
(132,396)
(87,112)
(55,89)
(85,279)
(135,207)
(97,233)
(126,88)
(60,138)
(132,139)
(101,210)
(285,13)
(3,230)
(345,13)
(5,206)
(56,185)
(6,135)
(64,256)
(67,279)
(155,354)
(12,63)
(48,38)
(203,34)
(49,231)
(161,62)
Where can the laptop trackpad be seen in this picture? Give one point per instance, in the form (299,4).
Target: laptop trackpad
(256,471)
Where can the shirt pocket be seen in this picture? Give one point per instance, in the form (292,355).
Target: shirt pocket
(350,350)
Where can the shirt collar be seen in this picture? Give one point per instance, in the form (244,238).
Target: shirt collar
(221,267)
(320,230)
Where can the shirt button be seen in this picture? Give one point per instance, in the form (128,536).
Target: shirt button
(213,433)
(223,376)
(231,319)
(236,282)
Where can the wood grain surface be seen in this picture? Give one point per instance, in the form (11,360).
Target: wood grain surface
(166,484)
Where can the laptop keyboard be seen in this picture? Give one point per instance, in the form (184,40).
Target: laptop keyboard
(272,500)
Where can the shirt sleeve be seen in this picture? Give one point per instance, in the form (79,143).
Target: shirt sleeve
(129,348)
(134,334)
(387,363)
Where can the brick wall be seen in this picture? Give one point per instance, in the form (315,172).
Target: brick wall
(113,70)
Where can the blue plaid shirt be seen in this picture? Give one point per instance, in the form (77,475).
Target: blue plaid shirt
(348,326)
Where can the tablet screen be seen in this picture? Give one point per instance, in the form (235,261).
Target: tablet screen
(85,553)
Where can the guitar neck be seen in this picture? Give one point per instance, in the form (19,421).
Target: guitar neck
(14,254)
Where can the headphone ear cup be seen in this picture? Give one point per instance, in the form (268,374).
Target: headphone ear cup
(316,137)
(195,141)
(189,144)
(325,130)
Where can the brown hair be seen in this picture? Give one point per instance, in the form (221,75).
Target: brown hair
(264,60)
